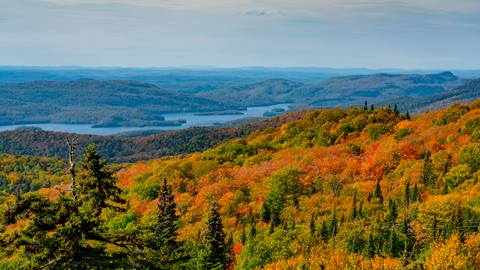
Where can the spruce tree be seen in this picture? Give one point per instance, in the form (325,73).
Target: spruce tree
(392,212)
(370,247)
(428,175)
(372,107)
(415,193)
(312,226)
(71,233)
(353,213)
(395,109)
(217,252)
(378,191)
(253,229)
(407,116)
(333,224)
(365,105)
(324,231)
(406,194)
(164,249)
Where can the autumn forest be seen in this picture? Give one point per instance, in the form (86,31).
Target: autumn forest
(361,188)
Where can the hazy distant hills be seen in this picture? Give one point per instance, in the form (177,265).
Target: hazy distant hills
(268,92)
(338,91)
(138,103)
(463,94)
(106,103)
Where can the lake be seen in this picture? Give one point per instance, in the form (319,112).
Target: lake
(192,121)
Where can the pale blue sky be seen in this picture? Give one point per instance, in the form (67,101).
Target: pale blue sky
(439,34)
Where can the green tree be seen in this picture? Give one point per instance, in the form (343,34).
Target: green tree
(217,251)
(428,175)
(69,233)
(378,191)
(406,194)
(353,213)
(164,251)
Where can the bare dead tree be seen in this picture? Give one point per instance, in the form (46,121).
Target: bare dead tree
(72,147)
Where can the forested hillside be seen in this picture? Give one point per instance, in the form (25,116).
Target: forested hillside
(100,103)
(340,91)
(37,142)
(465,93)
(336,189)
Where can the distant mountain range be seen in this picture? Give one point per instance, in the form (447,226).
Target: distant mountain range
(338,91)
(137,103)
(462,94)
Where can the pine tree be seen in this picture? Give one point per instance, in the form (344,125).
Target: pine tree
(370,247)
(324,231)
(312,226)
(333,224)
(372,107)
(407,116)
(161,238)
(266,213)
(395,109)
(353,213)
(415,193)
(365,106)
(217,252)
(378,191)
(243,238)
(406,194)
(253,229)
(70,232)
(428,175)
(96,189)
(392,212)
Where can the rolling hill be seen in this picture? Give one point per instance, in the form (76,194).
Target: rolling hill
(330,189)
(462,94)
(103,103)
(338,91)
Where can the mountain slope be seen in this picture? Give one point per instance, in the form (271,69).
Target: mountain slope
(333,189)
(95,102)
(353,90)
(463,94)
(329,190)
(37,142)
(337,91)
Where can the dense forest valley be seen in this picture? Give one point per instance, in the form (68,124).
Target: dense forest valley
(366,187)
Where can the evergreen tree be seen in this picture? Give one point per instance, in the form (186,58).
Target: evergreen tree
(428,175)
(365,106)
(406,194)
(353,213)
(407,116)
(333,224)
(324,231)
(370,247)
(372,107)
(265,213)
(161,238)
(253,229)
(70,233)
(217,252)
(415,193)
(312,226)
(243,238)
(378,191)
(392,212)
(395,109)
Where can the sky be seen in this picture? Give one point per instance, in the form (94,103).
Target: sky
(428,34)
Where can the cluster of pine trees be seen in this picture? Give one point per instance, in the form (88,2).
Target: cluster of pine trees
(72,231)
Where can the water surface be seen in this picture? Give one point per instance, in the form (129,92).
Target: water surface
(192,121)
